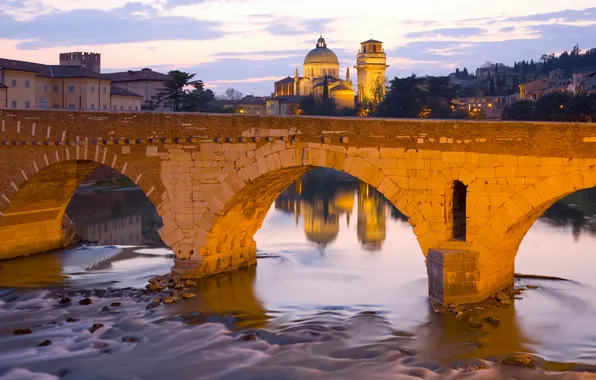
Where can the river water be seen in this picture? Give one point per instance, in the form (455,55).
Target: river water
(339,292)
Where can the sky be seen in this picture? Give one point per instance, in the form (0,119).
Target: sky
(248,44)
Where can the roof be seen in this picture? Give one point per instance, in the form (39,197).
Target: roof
(288,98)
(249,99)
(136,75)
(50,71)
(371,41)
(321,54)
(115,90)
(342,87)
(285,80)
(3,86)
(12,64)
(72,71)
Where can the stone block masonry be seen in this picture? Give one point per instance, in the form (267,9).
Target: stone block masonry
(212,179)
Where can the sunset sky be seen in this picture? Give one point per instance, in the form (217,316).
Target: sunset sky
(247,44)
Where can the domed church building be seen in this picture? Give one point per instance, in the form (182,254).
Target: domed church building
(319,64)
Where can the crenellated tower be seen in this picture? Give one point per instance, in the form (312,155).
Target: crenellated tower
(371,66)
(90,61)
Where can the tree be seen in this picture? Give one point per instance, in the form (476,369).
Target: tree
(325,89)
(404,99)
(457,73)
(232,94)
(465,72)
(181,93)
(522,110)
(491,89)
(552,107)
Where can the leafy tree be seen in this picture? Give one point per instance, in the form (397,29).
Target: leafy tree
(522,110)
(552,106)
(181,93)
(404,99)
(491,89)
(309,105)
(232,94)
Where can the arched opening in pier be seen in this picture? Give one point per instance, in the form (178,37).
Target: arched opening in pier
(458,209)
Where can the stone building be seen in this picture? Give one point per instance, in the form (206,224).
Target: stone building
(29,85)
(145,82)
(371,67)
(320,64)
(248,105)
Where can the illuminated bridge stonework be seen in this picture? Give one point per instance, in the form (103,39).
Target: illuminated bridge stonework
(471,190)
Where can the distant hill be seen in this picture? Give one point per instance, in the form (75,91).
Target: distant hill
(499,79)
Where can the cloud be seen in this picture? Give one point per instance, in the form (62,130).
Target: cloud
(507,29)
(448,32)
(568,15)
(248,80)
(300,27)
(121,25)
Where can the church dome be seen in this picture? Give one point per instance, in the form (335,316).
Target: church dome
(321,54)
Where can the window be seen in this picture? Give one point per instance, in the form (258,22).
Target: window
(130,108)
(115,107)
(13,83)
(56,88)
(45,87)
(92,89)
(56,105)
(27,84)
(14,104)
(105,106)
(92,106)
(136,108)
(71,106)
(460,192)
(71,88)
(121,107)
(374,48)
(27,105)
(105,90)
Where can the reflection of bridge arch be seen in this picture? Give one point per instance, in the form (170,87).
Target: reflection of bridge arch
(39,188)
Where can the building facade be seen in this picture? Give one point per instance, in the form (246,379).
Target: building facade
(320,69)
(145,82)
(29,85)
(371,69)
(248,105)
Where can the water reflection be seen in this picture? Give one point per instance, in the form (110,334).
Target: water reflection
(124,217)
(322,196)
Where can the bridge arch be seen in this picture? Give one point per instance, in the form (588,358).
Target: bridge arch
(499,239)
(239,204)
(37,190)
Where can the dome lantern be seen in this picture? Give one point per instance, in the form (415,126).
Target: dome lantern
(321,54)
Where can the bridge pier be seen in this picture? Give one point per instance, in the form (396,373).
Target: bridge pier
(459,276)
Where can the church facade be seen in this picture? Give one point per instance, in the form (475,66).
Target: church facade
(321,68)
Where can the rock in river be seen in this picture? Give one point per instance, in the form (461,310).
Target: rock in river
(85,301)
(522,360)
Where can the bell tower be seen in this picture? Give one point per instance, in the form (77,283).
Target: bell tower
(371,66)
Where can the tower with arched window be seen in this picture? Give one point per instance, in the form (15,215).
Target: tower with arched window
(371,66)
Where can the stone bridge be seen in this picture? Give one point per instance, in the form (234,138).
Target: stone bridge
(471,190)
